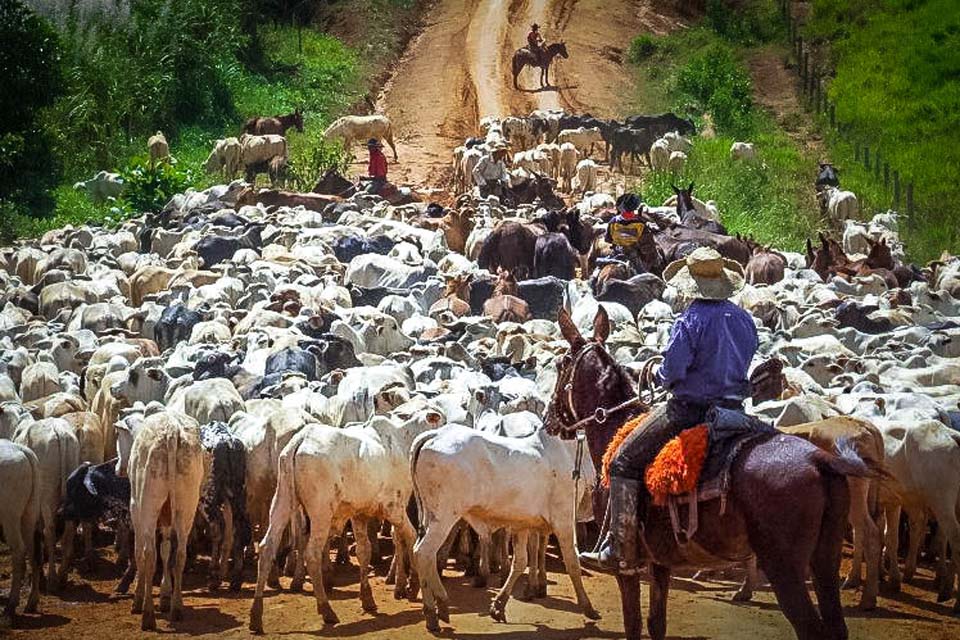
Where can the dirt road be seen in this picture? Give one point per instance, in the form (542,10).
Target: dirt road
(458,70)
(697,610)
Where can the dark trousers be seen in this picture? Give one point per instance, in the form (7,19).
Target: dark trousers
(375,186)
(492,188)
(662,425)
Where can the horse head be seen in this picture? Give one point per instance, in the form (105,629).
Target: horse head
(298,119)
(559,49)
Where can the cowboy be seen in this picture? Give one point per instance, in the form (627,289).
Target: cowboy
(377,167)
(491,173)
(625,230)
(535,40)
(704,365)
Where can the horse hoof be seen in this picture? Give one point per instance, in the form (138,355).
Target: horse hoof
(498,614)
(592,614)
(399,593)
(443,611)
(433,625)
(329,617)
(256,617)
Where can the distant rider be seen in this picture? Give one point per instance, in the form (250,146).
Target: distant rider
(377,168)
(628,233)
(491,173)
(535,40)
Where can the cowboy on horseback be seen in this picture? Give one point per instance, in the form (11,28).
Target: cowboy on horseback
(628,233)
(704,366)
(491,173)
(535,41)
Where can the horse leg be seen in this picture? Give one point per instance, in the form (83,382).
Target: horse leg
(825,563)
(630,605)
(750,582)
(659,589)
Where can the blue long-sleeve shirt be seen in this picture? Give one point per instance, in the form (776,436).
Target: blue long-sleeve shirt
(711,346)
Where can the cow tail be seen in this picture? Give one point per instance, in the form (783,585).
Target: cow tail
(33,503)
(173,443)
(845,462)
(286,493)
(65,469)
(418,444)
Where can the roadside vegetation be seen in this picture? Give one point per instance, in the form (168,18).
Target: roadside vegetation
(699,73)
(897,84)
(91,81)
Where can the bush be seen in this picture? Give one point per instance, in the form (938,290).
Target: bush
(756,22)
(149,189)
(30,60)
(641,48)
(715,82)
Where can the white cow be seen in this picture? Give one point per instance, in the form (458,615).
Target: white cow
(19,512)
(357,473)
(58,454)
(583,138)
(526,487)
(743,151)
(568,165)
(840,205)
(166,471)
(207,400)
(677,161)
(101,187)
(587,175)
(659,155)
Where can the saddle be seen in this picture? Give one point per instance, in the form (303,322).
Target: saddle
(695,466)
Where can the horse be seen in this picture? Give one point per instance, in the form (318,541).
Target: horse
(276,125)
(524,57)
(787,503)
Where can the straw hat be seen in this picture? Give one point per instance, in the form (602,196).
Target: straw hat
(705,274)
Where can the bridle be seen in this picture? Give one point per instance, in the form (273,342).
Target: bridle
(570,420)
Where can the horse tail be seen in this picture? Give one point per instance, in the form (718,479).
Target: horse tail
(845,461)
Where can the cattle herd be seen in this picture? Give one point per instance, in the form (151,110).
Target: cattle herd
(260,383)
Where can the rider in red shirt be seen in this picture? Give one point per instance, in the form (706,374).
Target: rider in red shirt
(377,168)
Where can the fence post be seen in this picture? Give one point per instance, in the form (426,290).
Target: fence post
(866,156)
(896,190)
(833,114)
(886,175)
(806,69)
(856,151)
(876,166)
(910,200)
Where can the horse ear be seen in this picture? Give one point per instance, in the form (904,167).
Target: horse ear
(601,325)
(675,190)
(568,329)
(690,188)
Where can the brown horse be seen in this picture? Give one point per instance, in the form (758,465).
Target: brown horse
(526,58)
(277,125)
(787,501)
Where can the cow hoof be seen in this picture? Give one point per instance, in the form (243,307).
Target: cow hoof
(329,617)
(296,586)
(274,583)
(743,596)
(149,623)
(176,614)
(498,612)
(592,614)
(433,625)
(136,608)
(479,582)
(542,591)
(443,611)
(256,617)
(164,604)
(399,592)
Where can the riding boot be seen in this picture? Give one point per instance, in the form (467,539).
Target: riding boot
(618,552)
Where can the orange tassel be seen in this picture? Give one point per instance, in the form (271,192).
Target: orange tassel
(614,446)
(676,469)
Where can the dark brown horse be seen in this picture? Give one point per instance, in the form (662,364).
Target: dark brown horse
(526,58)
(277,125)
(787,501)
(690,217)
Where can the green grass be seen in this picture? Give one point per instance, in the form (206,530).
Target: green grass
(897,84)
(699,71)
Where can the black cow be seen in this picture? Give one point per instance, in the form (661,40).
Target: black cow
(349,247)
(95,493)
(827,176)
(175,325)
(553,256)
(633,293)
(664,121)
(851,314)
(543,295)
(226,486)
(214,249)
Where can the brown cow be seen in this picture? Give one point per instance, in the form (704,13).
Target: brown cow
(765,266)
(505,305)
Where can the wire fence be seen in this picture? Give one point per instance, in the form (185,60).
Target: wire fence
(898,194)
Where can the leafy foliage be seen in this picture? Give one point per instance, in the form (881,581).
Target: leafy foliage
(641,48)
(715,82)
(754,22)
(30,68)
(147,188)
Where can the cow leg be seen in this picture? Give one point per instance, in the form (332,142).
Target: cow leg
(533,555)
(945,511)
(485,549)
(32,548)
(297,525)
(571,561)
(892,544)
(130,572)
(50,540)
(226,545)
(145,548)
(425,561)
(404,536)
(319,530)
(279,517)
(389,139)
(917,527)
(498,608)
(12,531)
(66,545)
(361,532)
(165,583)
(88,528)
(542,567)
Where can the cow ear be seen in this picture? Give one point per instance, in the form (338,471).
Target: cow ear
(601,325)
(568,329)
